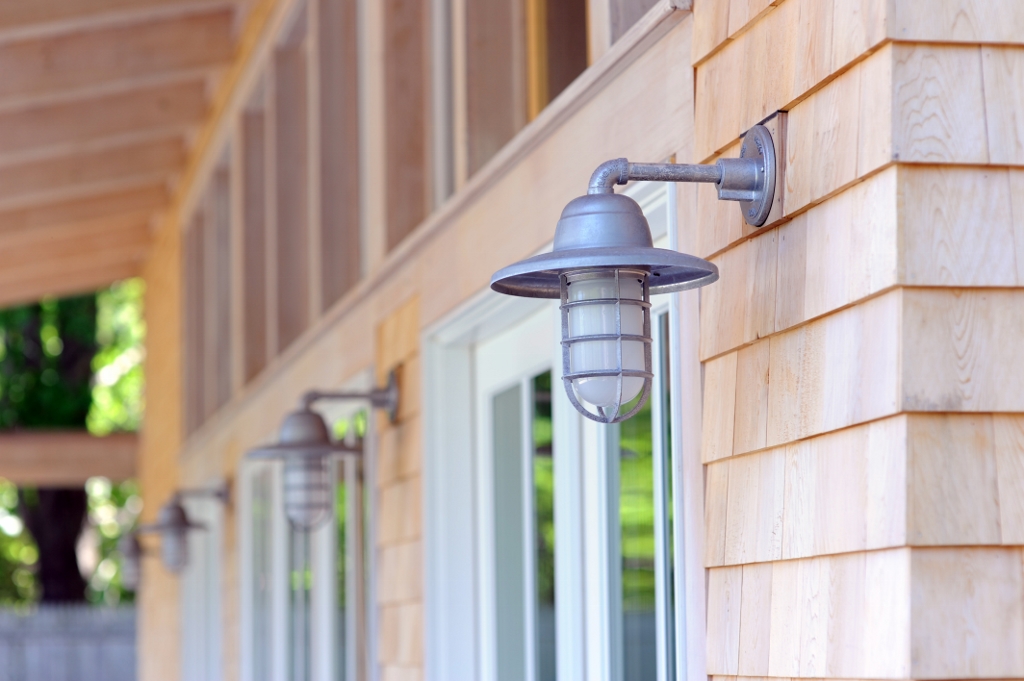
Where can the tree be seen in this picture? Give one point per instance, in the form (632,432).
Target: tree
(45,382)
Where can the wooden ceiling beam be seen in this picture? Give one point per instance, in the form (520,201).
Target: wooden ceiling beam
(142,201)
(60,178)
(77,278)
(52,64)
(164,106)
(67,239)
(66,458)
(27,14)
(70,264)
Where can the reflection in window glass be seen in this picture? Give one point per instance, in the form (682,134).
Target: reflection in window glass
(261,569)
(544,525)
(509,559)
(341,620)
(300,583)
(524,531)
(639,447)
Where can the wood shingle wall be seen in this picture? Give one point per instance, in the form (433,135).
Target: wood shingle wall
(862,433)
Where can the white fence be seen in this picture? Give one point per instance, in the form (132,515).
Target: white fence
(67,643)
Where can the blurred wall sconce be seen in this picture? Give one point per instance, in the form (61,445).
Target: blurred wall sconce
(173,525)
(306,447)
(604,267)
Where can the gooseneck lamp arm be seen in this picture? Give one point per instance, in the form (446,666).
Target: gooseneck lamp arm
(749,179)
(385,397)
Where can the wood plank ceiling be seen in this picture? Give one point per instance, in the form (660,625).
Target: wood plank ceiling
(100,101)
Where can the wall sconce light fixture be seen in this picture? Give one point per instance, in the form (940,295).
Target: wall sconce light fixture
(604,267)
(173,525)
(306,446)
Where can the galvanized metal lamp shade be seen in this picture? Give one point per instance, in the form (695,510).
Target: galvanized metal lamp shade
(305,446)
(173,526)
(604,267)
(131,557)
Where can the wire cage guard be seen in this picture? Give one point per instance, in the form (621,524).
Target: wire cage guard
(602,414)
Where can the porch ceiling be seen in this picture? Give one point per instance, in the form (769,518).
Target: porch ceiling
(100,101)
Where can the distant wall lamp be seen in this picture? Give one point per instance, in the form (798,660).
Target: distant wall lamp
(604,267)
(173,525)
(306,446)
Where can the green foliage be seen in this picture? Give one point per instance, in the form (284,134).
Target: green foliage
(113,510)
(117,393)
(636,510)
(45,354)
(544,488)
(72,363)
(18,552)
(340,510)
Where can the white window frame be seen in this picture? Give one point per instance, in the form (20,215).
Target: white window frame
(454,516)
(200,593)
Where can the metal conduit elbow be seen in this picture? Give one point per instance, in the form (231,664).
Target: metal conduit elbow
(609,174)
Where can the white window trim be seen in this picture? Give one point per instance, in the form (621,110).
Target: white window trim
(202,656)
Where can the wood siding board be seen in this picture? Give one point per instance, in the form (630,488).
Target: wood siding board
(791,283)
(844,648)
(954,355)
(724,591)
(1008,432)
(887,620)
(750,430)
(755,619)
(710,27)
(957,227)
(968,21)
(784,636)
(939,106)
(952,486)
(719,407)
(886,503)
(839,514)
(967,613)
(1003,71)
(716,496)
(1017,212)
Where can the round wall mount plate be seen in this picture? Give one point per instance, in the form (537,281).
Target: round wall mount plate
(758,145)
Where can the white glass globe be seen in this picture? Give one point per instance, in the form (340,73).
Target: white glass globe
(174,549)
(307,491)
(602,355)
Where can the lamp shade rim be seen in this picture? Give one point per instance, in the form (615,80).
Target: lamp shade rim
(538,276)
(311,451)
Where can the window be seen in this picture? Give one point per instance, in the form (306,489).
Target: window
(303,594)
(572,530)
(519,55)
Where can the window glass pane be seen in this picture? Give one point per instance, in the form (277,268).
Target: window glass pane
(341,619)
(300,582)
(509,560)
(544,525)
(644,513)
(261,562)
(524,531)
